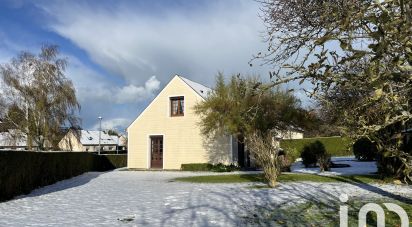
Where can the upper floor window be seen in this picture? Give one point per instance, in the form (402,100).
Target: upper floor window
(177,106)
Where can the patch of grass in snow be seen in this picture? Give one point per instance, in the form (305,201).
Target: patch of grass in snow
(317,213)
(289,177)
(335,145)
(229,178)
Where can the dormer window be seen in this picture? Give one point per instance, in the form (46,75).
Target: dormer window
(177,106)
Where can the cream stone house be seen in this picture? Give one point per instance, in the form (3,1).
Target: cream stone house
(167,133)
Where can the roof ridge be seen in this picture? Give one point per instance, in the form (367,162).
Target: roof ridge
(200,89)
(182,77)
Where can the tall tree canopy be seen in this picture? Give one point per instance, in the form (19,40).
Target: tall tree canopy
(358,56)
(38,98)
(253,112)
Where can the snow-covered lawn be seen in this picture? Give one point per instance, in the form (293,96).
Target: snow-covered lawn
(136,198)
(356,167)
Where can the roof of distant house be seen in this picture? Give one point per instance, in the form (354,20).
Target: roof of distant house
(200,89)
(88,137)
(9,139)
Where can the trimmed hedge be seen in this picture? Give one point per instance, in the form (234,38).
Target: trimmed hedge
(23,171)
(109,152)
(117,160)
(196,167)
(335,146)
(208,167)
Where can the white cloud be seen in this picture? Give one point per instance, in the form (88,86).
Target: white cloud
(92,87)
(132,93)
(135,43)
(132,42)
(114,123)
(100,96)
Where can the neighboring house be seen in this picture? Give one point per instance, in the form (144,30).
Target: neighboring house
(85,140)
(293,133)
(122,143)
(2,126)
(12,140)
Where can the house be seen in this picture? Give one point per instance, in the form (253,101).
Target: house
(167,133)
(86,140)
(13,140)
(122,142)
(292,133)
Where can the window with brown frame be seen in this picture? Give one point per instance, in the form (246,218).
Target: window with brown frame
(177,106)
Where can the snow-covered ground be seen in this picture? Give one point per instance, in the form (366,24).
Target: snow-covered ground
(144,198)
(356,167)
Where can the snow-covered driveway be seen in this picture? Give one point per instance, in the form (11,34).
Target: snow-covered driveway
(136,198)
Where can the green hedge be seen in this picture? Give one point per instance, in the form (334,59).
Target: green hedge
(196,167)
(109,152)
(208,167)
(23,171)
(335,146)
(117,160)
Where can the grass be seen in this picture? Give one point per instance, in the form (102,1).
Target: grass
(336,146)
(248,178)
(316,213)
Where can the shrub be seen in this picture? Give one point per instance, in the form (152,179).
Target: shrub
(308,156)
(284,161)
(224,168)
(364,150)
(315,153)
(390,166)
(324,162)
(196,167)
(209,167)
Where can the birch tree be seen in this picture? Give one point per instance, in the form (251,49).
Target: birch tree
(38,98)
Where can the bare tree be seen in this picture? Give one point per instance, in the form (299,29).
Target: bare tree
(358,56)
(39,98)
(266,152)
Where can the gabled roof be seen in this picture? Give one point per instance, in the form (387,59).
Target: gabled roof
(200,89)
(92,138)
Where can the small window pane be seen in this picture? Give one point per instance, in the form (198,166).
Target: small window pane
(181,107)
(177,106)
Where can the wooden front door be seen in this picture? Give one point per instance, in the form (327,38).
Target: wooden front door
(156,154)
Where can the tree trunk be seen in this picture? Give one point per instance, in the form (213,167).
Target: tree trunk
(271,176)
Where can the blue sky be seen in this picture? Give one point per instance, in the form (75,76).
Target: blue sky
(121,53)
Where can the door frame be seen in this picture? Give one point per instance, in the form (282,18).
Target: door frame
(149,149)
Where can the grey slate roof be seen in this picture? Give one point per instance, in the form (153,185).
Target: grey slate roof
(200,89)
